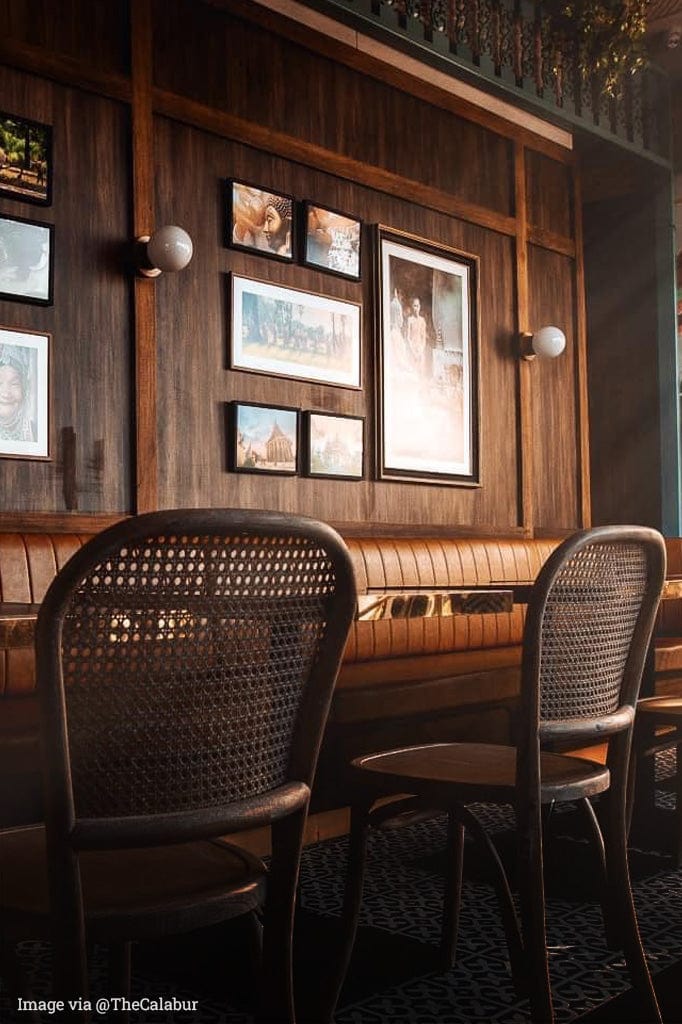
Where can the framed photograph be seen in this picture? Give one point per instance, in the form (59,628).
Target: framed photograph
(260,220)
(26,260)
(292,333)
(25,160)
(24,394)
(428,362)
(331,241)
(263,438)
(334,445)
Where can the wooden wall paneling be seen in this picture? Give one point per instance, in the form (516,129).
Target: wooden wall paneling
(89,322)
(195,384)
(236,66)
(381,62)
(549,195)
(146,448)
(525,395)
(81,32)
(582,394)
(555,430)
(621,294)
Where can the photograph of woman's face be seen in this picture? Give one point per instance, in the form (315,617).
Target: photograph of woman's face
(11,393)
(23,394)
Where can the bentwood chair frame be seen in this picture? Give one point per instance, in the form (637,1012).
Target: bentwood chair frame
(185,663)
(588,627)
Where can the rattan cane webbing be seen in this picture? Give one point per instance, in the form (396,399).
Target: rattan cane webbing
(587,630)
(184,663)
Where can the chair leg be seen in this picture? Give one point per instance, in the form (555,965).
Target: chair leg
(532,902)
(620,895)
(276,1004)
(352,899)
(609,911)
(505,899)
(452,900)
(677,852)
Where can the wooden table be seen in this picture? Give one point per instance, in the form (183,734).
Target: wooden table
(17,624)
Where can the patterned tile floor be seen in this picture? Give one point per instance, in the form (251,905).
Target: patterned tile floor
(394,978)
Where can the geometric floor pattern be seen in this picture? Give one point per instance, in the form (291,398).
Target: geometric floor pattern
(394,977)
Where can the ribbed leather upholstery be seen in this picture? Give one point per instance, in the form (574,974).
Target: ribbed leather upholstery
(28,564)
(387,564)
(669,621)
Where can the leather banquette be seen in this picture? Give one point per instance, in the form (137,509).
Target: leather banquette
(402,680)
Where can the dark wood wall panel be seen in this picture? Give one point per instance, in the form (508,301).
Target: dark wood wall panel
(236,66)
(549,193)
(92,31)
(91,372)
(620,275)
(554,397)
(192,327)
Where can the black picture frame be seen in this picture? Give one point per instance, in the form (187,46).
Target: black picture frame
(250,212)
(331,240)
(428,392)
(25,411)
(327,453)
(26,169)
(26,260)
(247,445)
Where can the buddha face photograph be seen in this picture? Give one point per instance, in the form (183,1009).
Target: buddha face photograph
(260,220)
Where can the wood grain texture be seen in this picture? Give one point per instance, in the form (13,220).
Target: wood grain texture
(90,387)
(555,429)
(340,47)
(549,193)
(621,326)
(525,397)
(195,383)
(233,65)
(582,389)
(89,32)
(146,456)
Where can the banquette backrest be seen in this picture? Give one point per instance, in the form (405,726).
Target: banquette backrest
(28,564)
(462,669)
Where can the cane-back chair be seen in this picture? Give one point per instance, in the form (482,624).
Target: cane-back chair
(588,625)
(185,666)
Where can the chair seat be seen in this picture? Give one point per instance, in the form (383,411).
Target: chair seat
(157,886)
(668,709)
(480,771)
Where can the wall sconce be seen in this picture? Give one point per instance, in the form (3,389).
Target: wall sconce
(168,249)
(548,343)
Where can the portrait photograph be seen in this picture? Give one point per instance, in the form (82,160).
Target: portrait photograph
(25,160)
(260,220)
(331,241)
(293,333)
(263,438)
(26,260)
(24,390)
(334,445)
(427,385)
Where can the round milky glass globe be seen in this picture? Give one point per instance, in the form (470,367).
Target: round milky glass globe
(549,342)
(170,248)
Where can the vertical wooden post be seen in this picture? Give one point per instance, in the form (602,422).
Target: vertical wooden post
(525,421)
(582,403)
(142,60)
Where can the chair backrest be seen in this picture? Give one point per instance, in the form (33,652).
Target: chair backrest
(588,628)
(186,661)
